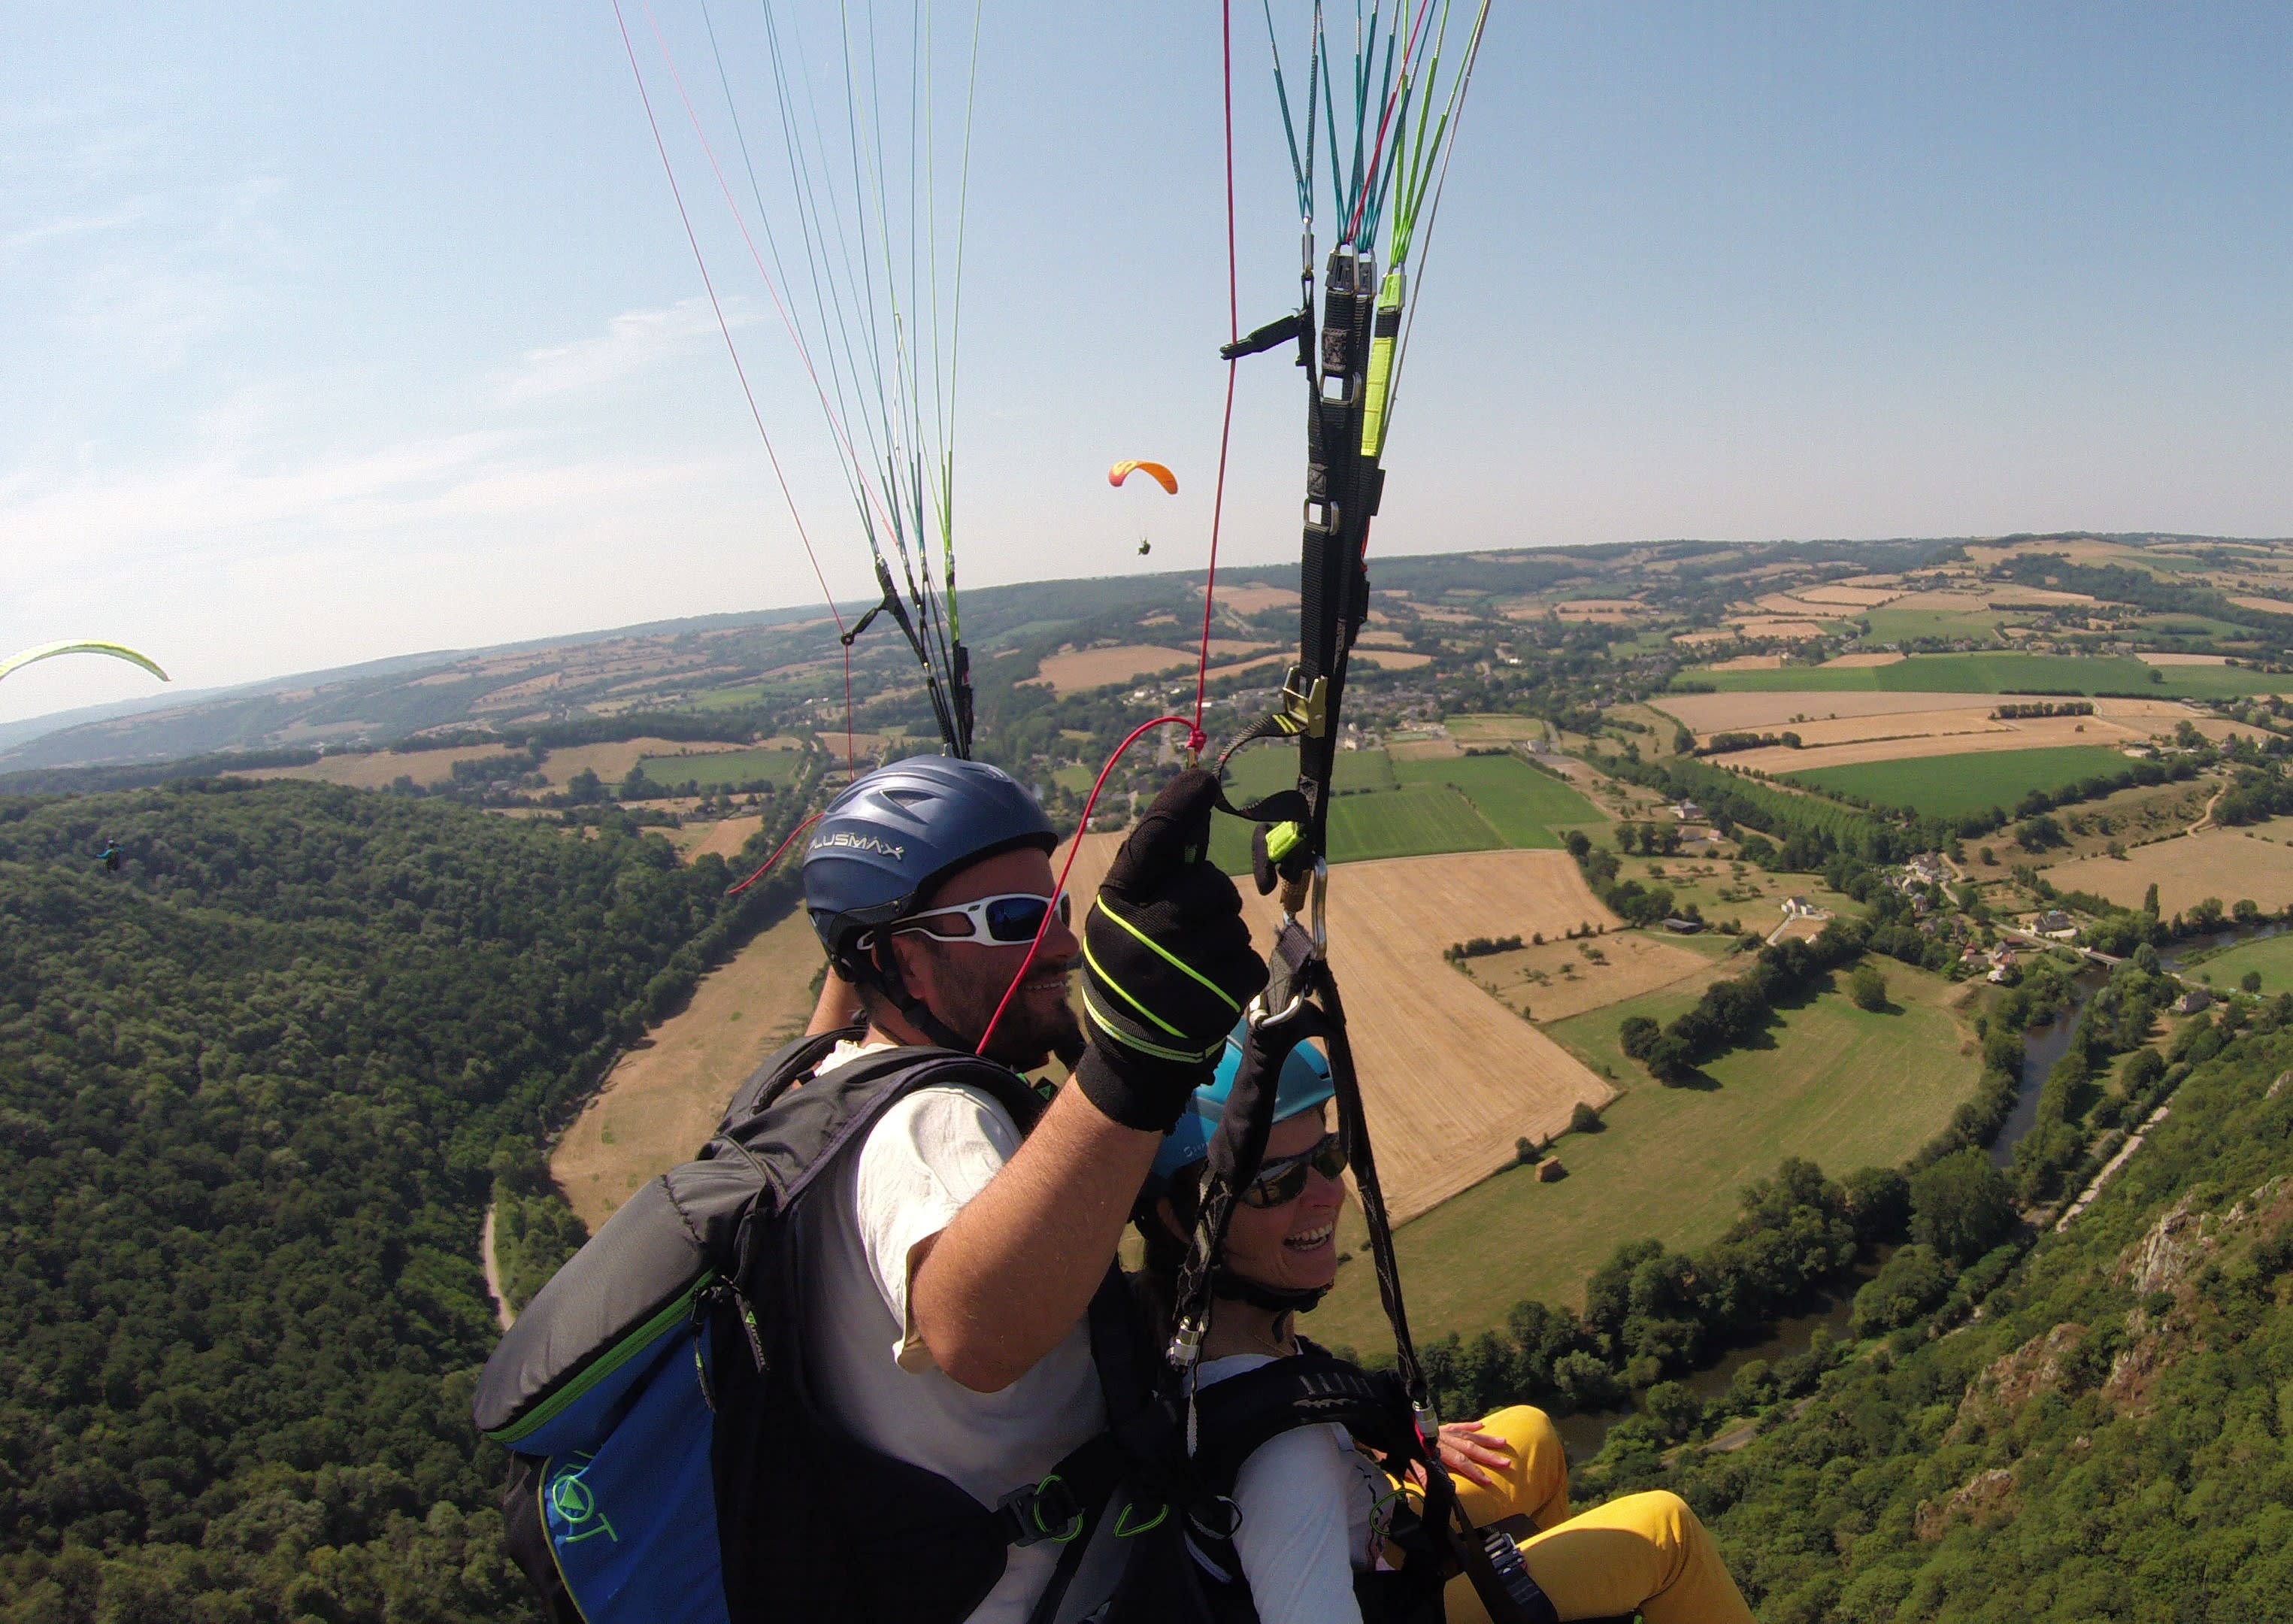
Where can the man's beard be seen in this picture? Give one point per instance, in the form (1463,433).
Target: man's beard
(1025,1035)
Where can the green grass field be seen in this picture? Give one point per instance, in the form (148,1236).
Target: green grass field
(2005,672)
(1412,822)
(1904,625)
(1952,786)
(1841,1087)
(2272,957)
(1387,809)
(717,768)
(1263,768)
(1526,807)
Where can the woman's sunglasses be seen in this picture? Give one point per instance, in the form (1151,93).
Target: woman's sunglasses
(1281,1182)
(1007,920)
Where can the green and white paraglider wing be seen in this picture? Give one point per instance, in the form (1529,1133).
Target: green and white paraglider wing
(48,651)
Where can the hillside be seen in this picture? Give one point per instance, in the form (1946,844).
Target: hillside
(2110,1436)
(257,1088)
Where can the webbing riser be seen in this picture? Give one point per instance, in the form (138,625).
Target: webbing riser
(1341,497)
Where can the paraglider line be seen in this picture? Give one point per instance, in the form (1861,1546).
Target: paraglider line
(1225,425)
(775,858)
(1074,850)
(756,416)
(835,423)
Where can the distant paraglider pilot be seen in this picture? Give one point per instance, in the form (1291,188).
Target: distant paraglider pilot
(111,857)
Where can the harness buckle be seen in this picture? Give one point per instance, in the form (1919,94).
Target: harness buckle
(1035,1513)
(1304,709)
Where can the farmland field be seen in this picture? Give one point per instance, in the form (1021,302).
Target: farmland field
(1263,768)
(1097,668)
(2229,863)
(1841,1087)
(717,768)
(1952,786)
(1553,980)
(1389,809)
(1415,820)
(1526,807)
(2005,672)
(2273,956)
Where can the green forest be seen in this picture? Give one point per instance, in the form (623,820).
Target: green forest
(255,1088)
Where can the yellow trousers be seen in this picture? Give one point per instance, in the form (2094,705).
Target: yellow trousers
(1644,1553)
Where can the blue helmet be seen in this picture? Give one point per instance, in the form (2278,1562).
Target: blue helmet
(900,829)
(1305,1083)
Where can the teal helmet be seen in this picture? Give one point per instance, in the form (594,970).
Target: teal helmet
(1305,1083)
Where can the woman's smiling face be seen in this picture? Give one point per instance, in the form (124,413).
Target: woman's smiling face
(1293,1247)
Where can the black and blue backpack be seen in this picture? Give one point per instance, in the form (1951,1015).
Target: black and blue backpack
(668,1464)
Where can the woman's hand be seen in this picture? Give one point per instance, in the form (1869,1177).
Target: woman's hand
(1467,1448)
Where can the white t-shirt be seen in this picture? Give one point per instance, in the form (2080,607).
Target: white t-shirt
(925,1158)
(1312,1512)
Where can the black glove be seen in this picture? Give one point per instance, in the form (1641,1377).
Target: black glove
(1167,964)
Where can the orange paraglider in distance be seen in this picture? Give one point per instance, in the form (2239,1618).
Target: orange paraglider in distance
(1162,475)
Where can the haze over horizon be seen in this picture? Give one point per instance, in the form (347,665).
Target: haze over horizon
(340,337)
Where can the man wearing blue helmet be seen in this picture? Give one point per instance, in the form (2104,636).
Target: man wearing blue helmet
(944,1323)
(1313,1511)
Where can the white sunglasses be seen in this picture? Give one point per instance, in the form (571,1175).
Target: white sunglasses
(1007,920)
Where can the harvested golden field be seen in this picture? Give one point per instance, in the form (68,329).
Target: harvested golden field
(1858,598)
(2163,712)
(1220,648)
(1965,733)
(721,838)
(1862,662)
(661,1102)
(2229,863)
(2267,605)
(1383,639)
(1779,603)
(1450,1076)
(1784,630)
(611,762)
(1598,605)
(1097,668)
(1251,598)
(1747,662)
(1424,750)
(2188,659)
(383,768)
(1728,712)
(1558,980)
(1389,659)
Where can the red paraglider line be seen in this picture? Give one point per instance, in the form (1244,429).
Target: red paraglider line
(775,858)
(742,372)
(1074,850)
(1225,425)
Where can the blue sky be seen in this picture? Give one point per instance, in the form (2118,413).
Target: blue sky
(335,333)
